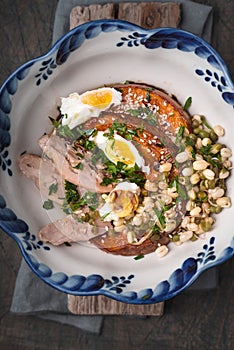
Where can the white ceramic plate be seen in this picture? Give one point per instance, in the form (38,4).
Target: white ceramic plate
(93,54)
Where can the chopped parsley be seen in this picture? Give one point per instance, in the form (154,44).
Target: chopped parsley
(142,111)
(71,197)
(73,201)
(182,193)
(160,216)
(138,257)
(115,172)
(180,134)
(48,204)
(53,188)
(79,166)
(123,130)
(187,104)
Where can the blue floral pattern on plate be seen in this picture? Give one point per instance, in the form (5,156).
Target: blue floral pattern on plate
(119,286)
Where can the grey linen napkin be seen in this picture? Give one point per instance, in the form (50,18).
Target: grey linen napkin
(31,295)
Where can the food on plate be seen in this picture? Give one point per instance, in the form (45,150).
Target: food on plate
(131,170)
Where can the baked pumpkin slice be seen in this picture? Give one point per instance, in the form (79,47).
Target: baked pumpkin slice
(157,119)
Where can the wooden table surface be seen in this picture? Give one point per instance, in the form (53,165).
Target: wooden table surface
(192,320)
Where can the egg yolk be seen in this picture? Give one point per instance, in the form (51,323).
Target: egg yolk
(123,203)
(119,151)
(99,99)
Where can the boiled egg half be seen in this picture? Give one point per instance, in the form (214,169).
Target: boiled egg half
(77,109)
(121,202)
(118,149)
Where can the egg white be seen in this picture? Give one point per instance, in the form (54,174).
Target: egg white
(101,142)
(75,112)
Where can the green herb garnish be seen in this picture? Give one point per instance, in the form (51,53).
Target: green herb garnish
(187,104)
(53,188)
(65,131)
(48,204)
(123,130)
(115,172)
(73,201)
(180,134)
(160,216)
(138,257)
(79,166)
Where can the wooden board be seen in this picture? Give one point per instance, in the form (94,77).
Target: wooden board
(147,15)
(100,305)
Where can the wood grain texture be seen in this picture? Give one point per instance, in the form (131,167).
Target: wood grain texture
(82,14)
(192,320)
(145,14)
(150,14)
(100,305)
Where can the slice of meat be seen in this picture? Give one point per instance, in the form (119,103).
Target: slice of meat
(29,164)
(54,147)
(68,229)
(43,173)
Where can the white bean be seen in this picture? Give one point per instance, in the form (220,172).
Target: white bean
(185,221)
(185,236)
(200,164)
(171,191)
(194,179)
(206,141)
(161,251)
(182,157)
(216,192)
(209,174)
(219,130)
(192,194)
(197,117)
(192,226)
(226,152)
(224,202)
(166,167)
(195,211)
(187,171)
(223,174)
(137,220)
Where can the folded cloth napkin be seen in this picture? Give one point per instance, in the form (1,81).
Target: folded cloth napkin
(31,295)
